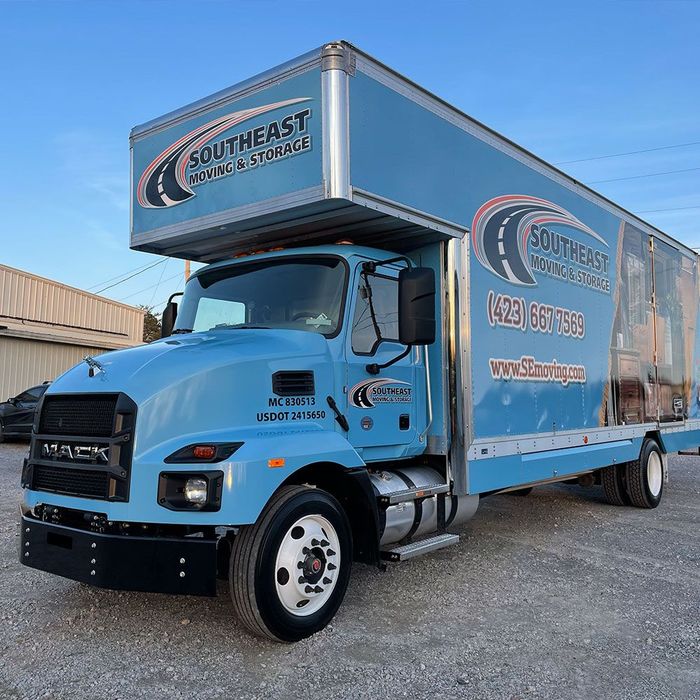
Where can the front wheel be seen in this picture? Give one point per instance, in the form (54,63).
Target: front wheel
(288,572)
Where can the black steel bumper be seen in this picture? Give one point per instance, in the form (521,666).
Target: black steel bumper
(183,566)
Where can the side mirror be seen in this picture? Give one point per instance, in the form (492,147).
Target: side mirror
(167,321)
(12,400)
(417,306)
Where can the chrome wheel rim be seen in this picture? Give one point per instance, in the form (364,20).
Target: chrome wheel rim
(307,565)
(654,473)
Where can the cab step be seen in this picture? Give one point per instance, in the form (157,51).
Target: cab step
(405,495)
(416,549)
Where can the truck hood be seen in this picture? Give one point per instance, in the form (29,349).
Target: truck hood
(203,382)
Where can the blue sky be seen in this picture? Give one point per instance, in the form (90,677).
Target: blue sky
(566,80)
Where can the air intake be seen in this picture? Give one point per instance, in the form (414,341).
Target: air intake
(293,383)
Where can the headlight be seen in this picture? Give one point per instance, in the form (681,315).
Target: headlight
(196,490)
(188,491)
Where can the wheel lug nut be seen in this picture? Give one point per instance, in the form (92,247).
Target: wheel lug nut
(324,543)
(331,567)
(302,579)
(309,589)
(330,553)
(326,580)
(315,543)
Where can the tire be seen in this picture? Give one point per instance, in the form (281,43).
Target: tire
(301,543)
(614,488)
(645,477)
(2,436)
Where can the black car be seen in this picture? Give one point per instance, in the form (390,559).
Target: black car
(17,414)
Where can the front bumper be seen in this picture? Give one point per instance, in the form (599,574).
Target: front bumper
(178,565)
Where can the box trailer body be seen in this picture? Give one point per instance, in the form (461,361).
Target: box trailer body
(323,193)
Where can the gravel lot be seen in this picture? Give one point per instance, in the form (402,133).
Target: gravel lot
(556,595)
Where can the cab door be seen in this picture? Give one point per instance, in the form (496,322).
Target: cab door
(382,409)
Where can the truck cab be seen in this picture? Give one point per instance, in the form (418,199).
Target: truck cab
(289,380)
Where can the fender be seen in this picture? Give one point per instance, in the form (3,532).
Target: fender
(255,475)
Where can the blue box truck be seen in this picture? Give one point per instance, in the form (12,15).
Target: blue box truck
(402,313)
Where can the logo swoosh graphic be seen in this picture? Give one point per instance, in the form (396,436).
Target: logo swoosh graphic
(163,182)
(361,393)
(502,226)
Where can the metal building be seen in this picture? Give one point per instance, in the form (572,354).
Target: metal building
(47,327)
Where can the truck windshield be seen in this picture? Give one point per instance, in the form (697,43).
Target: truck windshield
(298,293)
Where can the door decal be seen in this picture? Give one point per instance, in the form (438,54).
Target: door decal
(370,391)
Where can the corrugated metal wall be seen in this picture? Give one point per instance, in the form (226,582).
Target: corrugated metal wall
(43,303)
(47,327)
(24,363)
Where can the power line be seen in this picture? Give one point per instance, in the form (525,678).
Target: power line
(637,177)
(629,153)
(160,279)
(104,289)
(116,277)
(654,211)
(179,274)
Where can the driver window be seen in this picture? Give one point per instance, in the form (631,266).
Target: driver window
(376,316)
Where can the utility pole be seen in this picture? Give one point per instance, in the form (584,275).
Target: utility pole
(187,270)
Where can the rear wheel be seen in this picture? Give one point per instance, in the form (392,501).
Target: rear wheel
(2,433)
(614,488)
(288,573)
(645,477)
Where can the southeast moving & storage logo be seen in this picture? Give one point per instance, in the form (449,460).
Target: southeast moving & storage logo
(503,226)
(194,160)
(369,392)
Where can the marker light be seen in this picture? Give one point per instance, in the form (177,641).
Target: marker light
(196,490)
(204,451)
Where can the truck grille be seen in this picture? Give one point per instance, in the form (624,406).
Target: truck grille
(83,446)
(72,482)
(83,415)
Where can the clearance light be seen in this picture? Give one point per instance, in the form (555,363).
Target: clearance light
(213,452)
(204,451)
(275,463)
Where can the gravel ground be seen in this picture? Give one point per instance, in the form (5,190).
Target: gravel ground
(556,595)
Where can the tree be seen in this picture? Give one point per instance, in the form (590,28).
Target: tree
(151,324)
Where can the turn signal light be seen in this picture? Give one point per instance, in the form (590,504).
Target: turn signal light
(204,452)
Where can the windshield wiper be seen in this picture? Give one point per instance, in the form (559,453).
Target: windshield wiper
(236,326)
(181,330)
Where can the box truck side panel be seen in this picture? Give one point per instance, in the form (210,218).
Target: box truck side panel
(196,172)
(563,324)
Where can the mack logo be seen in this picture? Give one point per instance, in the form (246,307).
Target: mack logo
(63,450)
(192,160)
(369,392)
(501,229)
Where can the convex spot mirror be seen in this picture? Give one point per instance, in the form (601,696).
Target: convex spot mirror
(417,306)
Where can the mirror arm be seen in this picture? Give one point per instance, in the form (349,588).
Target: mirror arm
(374,368)
(370,267)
